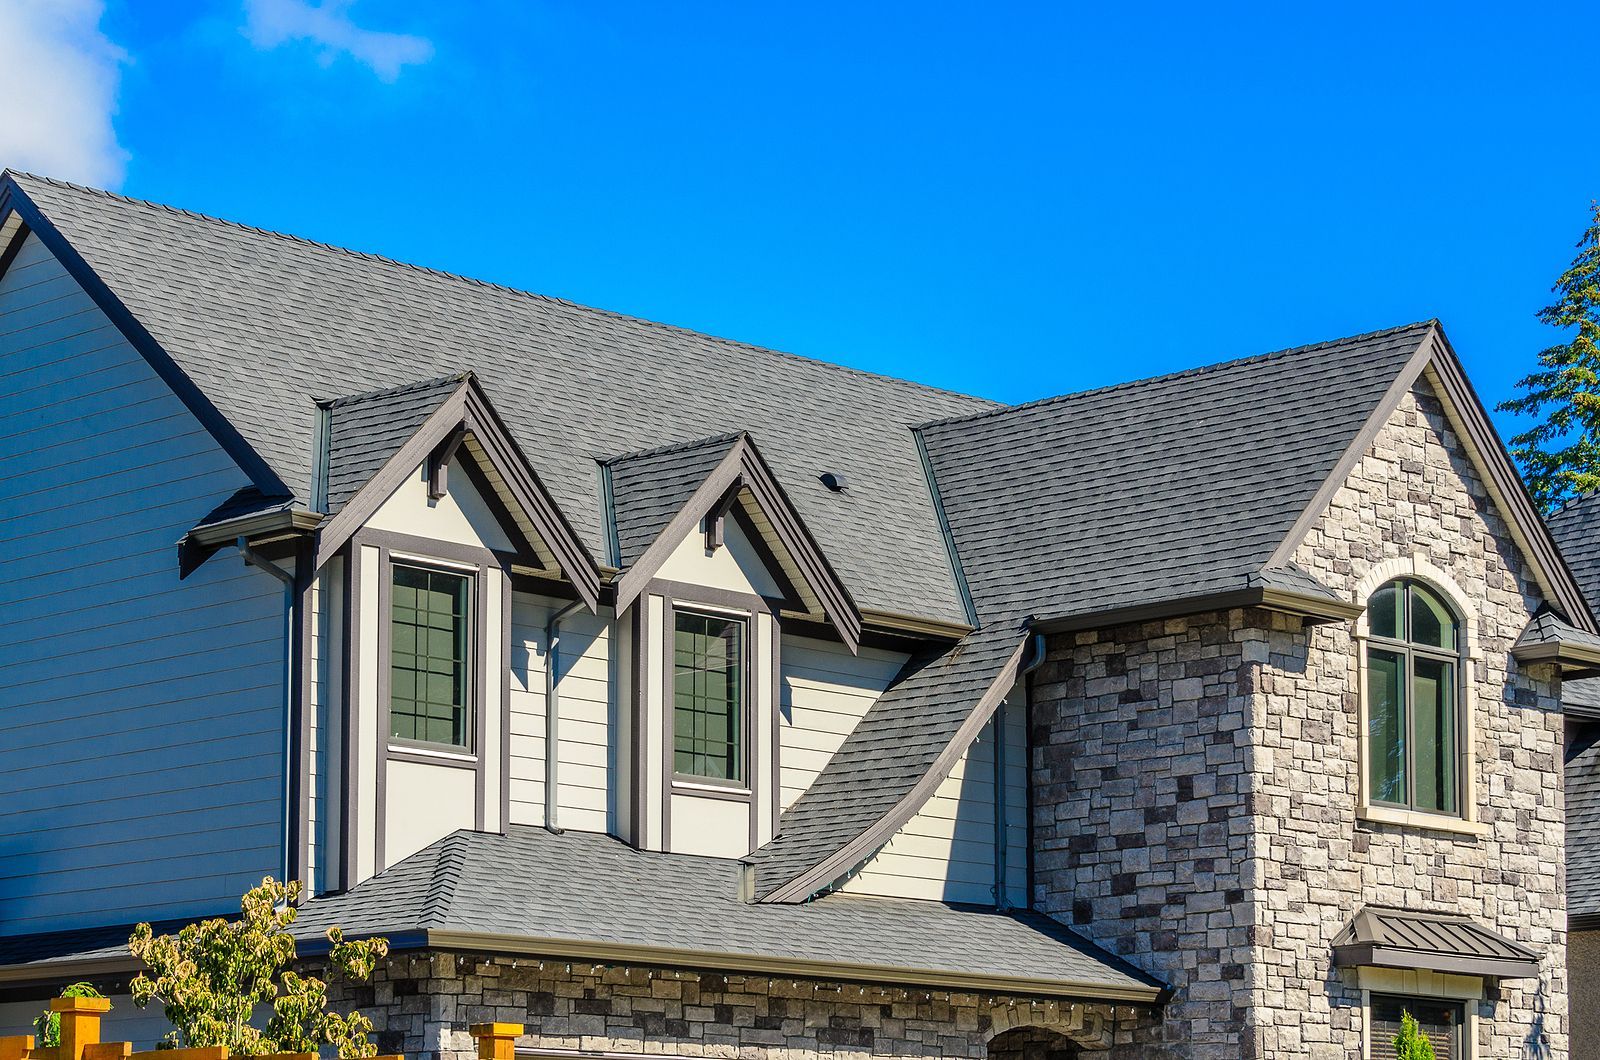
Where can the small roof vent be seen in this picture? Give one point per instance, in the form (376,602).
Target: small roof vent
(835,481)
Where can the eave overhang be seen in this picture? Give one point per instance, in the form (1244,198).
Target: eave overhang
(727,961)
(1313,609)
(1436,942)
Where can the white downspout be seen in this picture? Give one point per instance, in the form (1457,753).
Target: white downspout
(552,715)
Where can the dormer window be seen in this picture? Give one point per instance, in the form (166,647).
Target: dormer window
(708,697)
(1413,699)
(429,656)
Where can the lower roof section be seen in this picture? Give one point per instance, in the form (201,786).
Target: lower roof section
(592,897)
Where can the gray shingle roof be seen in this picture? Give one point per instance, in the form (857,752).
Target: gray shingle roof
(881,761)
(1175,486)
(1576,528)
(650,487)
(365,430)
(568,894)
(1142,493)
(262,323)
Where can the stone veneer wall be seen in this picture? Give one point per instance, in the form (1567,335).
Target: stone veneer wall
(423,1004)
(1142,820)
(1196,781)
(1413,503)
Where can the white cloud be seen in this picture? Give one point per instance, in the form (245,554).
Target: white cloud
(58,78)
(327,26)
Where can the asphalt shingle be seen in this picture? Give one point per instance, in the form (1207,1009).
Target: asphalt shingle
(648,488)
(365,430)
(521,884)
(263,323)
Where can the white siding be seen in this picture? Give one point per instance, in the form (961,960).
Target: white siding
(946,852)
(141,765)
(586,727)
(825,692)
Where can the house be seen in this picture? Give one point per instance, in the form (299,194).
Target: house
(677,697)
(1577,530)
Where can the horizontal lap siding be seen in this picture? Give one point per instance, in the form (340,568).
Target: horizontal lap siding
(587,753)
(825,692)
(140,768)
(946,851)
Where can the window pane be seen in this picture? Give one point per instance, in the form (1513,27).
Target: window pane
(1383,612)
(1431,621)
(1386,726)
(1440,1021)
(708,658)
(428,656)
(1433,740)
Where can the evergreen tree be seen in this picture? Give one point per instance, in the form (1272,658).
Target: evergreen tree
(1560,455)
(1411,1043)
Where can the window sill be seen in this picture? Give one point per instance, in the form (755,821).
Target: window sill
(429,751)
(1418,819)
(710,787)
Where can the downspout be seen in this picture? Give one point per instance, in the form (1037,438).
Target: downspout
(252,558)
(552,715)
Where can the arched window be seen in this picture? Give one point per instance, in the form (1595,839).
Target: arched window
(1413,699)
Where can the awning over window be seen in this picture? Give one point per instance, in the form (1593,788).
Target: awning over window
(1439,942)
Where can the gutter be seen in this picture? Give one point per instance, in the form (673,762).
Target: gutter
(722,961)
(1316,610)
(552,715)
(1575,660)
(252,558)
(284,521)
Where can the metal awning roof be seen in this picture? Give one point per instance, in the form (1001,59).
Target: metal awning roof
(1440,942)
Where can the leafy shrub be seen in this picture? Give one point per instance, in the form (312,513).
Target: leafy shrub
(212,976)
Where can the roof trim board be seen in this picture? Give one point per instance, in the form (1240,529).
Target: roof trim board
(743,468)
(821,875)
(1314,609)
(1436,358)
(468,410)
(1533,537)
(216,424)
(718,960)
(1398,388)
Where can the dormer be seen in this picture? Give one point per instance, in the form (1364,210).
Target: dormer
(713,561)
(431,510)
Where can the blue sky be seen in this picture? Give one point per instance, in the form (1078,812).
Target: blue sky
(1014,200)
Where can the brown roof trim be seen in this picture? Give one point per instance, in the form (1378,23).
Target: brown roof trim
(1574,659)
(468,407)
(1439,942)
(890,621)
(254,525)
(1526,525)
(1467,413)
(1398,388)
(719,960)
(744,468)
(819,876)
(1583,922)
(1314,609)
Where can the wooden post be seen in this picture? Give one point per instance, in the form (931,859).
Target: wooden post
(80,1023)
(16,1048)
(496,1041)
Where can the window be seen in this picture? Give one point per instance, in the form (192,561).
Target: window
(1439,1020)
(708,697)
(1413,722)
(429,656)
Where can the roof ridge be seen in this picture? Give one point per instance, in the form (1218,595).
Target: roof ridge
(675,447)
(395,391)
(1198,370)
(491,285)
(449,866)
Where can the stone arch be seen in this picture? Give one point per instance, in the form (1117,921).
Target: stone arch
(1419,568)
(1033,1043)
